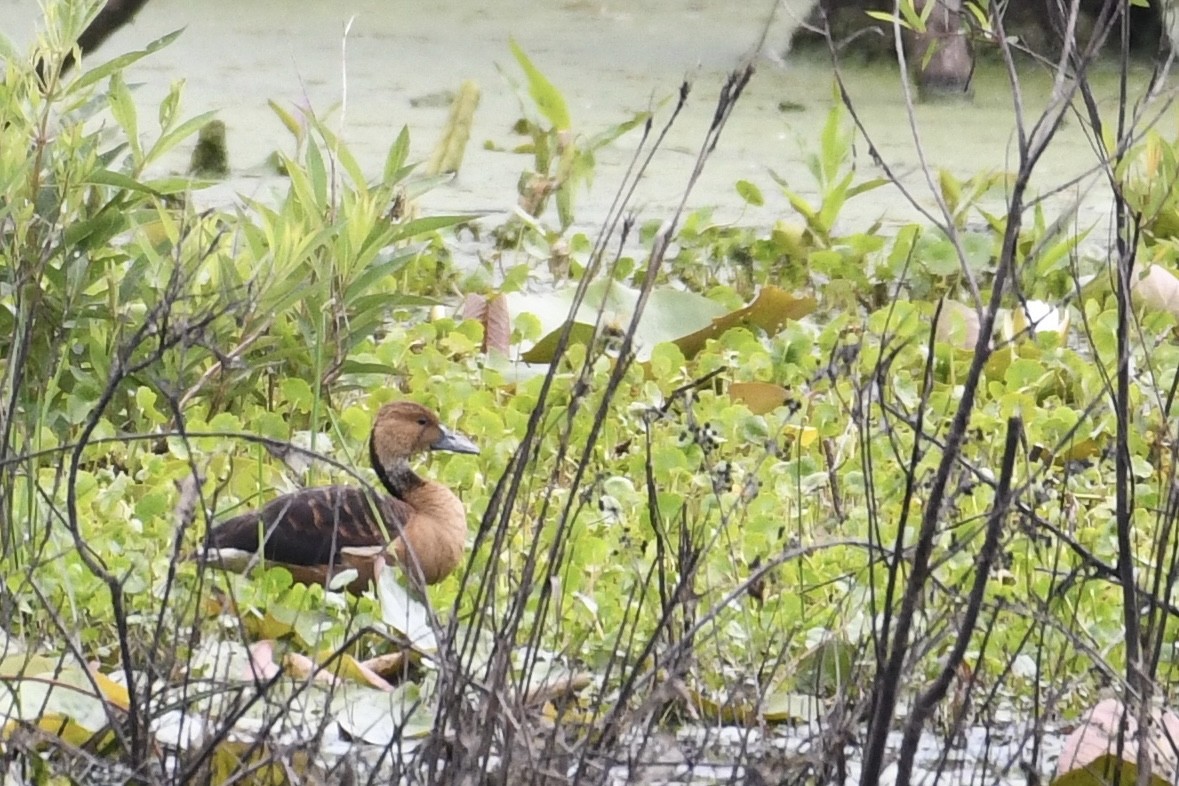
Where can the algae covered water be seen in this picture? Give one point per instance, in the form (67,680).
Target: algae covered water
(373,66)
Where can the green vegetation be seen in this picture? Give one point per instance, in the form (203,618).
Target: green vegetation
(654,506)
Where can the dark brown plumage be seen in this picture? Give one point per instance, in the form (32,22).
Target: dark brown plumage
(318,532)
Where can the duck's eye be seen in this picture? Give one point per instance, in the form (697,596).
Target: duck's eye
(422,421)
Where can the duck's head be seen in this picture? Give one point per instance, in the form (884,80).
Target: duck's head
(403,429)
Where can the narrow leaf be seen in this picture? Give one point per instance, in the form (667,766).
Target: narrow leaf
(122,61)
(548,99)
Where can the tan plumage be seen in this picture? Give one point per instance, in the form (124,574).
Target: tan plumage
(318,532)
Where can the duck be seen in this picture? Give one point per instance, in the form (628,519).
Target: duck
(317,533)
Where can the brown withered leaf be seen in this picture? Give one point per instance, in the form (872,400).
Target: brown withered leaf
(497,325)
(473,307)
(760,397)
(492,313)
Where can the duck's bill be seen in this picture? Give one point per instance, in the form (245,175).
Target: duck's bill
(455,443)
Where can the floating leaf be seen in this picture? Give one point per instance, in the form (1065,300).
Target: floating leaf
(760,397)
(404,613)
(668,313)
(1090,752)
(545,349)
(1157,290)
(826,668)
(769,312)
(385,719)
(787,707)
(66,699)
(957,325)
(683,318)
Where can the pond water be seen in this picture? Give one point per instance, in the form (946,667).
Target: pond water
(610,58)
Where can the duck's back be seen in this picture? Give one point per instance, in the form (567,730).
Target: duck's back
(310,526)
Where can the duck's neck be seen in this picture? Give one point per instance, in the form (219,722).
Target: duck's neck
(398,479)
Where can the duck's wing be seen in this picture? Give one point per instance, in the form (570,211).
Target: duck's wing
(310,526)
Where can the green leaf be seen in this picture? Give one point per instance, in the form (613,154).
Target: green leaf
(105,177)
(121,62)
(8,50)
(375,272)
(867,185)
(427,224)
(750,193)
(173,137)
(286,118)
(548,99)
(317,177)
(359,367)
(94,232)
(603,138)
(395,171)
(379,303)
(123,109)
(887,18)
(298,394)
(168,107)
(342,154)
(544,351)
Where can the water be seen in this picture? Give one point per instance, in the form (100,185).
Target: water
(610,58)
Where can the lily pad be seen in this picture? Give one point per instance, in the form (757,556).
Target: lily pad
(58,697)
(683,318)
(384,719)
(404,613)
(788,707)
(770,311)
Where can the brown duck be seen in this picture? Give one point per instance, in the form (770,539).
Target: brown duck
(319,532)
